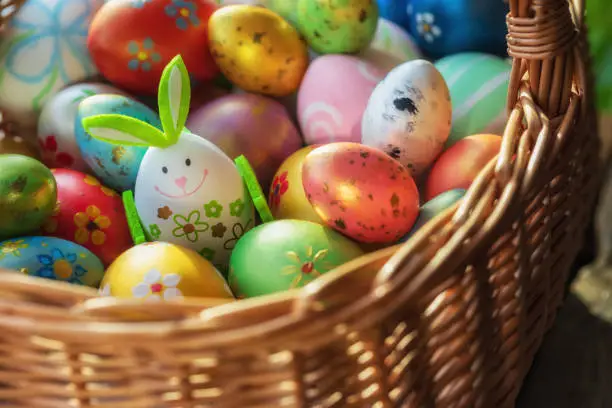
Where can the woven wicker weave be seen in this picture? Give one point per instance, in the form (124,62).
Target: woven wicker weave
(453,318)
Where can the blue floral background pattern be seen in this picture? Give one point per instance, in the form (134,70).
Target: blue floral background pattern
(184,12)
(67,263)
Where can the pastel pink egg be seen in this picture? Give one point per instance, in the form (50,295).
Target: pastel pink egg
(361,192)
(333,96)
(251,125)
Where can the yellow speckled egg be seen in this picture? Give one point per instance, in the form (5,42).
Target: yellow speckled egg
(257,50)
(163,271)
(287,198)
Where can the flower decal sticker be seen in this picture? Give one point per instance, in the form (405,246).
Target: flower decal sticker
(51,155)
(91,224)
(184,13)
(12,248)
(218,231)
(213,209)
(94,182)
(280,185)
(143,55)
(427,28)
(156,286)
(306,268)
(60,266)
(237,232)
(189,227)
(155,231)
(237,207)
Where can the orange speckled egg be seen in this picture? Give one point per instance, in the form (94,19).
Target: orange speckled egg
(361,192)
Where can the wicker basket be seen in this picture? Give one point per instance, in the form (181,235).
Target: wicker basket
(453,318)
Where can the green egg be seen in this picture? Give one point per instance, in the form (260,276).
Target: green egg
(337,26)
(286,254)
(28,195)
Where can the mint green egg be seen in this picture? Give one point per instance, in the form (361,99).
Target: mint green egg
(337,26)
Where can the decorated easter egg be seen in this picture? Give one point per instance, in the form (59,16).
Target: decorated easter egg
(361,192)
(395,11)
(296,252)
(333,27)
(433,207)
(252,125)
(257,50)
(478,85)
(46,48)
(163,271)
(56,125)
(459,165)
(27,195)
(131,41)
(89,214)
(287,199)
(117,166)
(286,9)
(333,97)
(51,258)
(390,47)
(409,115)
(10,144)
(445,27)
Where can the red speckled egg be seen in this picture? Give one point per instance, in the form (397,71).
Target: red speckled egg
(361,192)
(90,215)
(458,166)
(131,41)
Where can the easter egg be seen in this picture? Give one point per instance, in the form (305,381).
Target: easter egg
(445,27)
(361,192)
(459,165)
(287,199)
(433,207)
(46,48)
(27,195)
(88,214)
(132,41)
(390,47)
(257,50)
(10,144)
(333,97)
(409,115)
(395,11)
(51,258)
(478,85)
(163,271)
(286,9)
(116,166)
(296,252)
(56,125)
(251,125)
(333,27)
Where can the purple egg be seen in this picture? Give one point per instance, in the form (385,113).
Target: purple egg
(253,125)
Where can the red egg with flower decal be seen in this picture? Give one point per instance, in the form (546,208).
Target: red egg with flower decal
(131,41)
(90,215)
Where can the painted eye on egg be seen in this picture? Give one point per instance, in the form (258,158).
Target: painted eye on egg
(188,162)
(165,170)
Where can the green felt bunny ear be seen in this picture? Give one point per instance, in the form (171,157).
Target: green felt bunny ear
(124,130)
(173,98)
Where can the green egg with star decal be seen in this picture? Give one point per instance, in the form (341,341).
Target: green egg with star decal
(337,26)
(286,254)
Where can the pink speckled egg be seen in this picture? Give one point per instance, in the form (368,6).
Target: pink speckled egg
(361,192)
(255,126)
(333,96)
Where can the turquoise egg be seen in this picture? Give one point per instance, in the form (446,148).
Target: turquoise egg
(433,207)
(52,258)
(117,166)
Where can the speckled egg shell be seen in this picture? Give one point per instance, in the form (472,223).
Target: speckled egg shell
(257,50)
(333,27)
(56,125)
(252,125)
(46,49)
(295,253)
(333,97)
(117,166)
(361,192)
(162,271)
(89,214)
(409,115)
(27,195)
(51,258)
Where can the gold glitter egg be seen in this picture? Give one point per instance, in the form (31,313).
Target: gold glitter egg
(257,50)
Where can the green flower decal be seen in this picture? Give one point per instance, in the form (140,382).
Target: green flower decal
(154,231)
(213,209)
(208,253)
(12,248)
(237,207)
(190,226)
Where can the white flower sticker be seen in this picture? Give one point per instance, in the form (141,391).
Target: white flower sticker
(156,286)
(105,290)
(427,28)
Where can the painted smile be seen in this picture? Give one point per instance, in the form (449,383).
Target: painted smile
(195,190)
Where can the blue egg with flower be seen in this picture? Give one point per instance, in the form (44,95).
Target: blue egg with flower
(117,166)
(52,258)
(395,11)
(445,27)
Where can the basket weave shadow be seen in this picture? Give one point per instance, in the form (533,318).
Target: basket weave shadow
(452,318)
